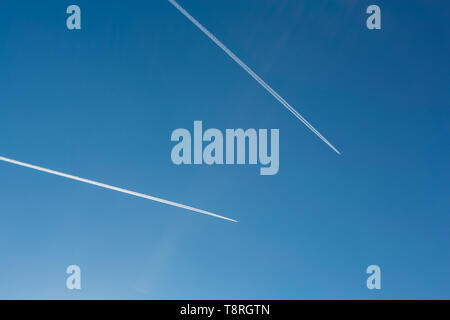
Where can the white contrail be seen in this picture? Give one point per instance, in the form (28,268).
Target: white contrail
(102,185)
(250,72)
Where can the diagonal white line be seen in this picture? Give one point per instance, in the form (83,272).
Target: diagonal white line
(106,186)
(252,73)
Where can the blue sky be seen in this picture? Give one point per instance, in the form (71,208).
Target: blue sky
(102,103)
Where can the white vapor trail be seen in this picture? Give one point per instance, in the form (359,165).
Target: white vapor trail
(106,186)
(251,73)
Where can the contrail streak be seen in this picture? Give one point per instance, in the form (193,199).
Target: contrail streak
(253,74)
(106,186)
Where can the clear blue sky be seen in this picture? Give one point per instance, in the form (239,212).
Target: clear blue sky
(102,102)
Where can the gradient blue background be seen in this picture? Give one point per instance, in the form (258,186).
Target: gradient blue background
(102,102)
